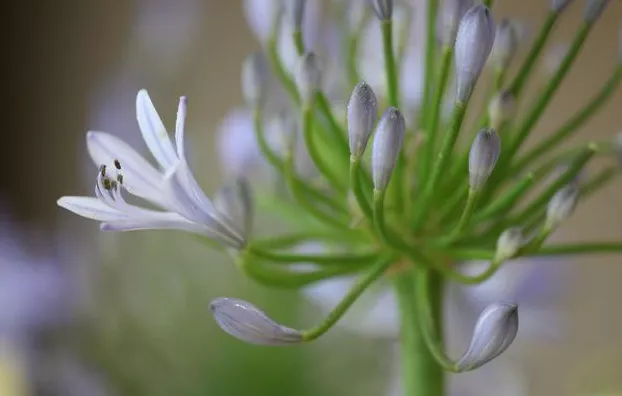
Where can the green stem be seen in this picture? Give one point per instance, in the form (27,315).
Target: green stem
(389,62)
(422,375)
(430,47)
(355,185)
(441,162)
(574,123)
(580,248)
(353,294)
(519,81)
(469,208)
(326,259)
(337,132)
(506,201)
(279,70)
(299,42)
(541,104)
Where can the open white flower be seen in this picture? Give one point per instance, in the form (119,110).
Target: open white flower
(171,186)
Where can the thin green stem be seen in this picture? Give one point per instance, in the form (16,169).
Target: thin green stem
(337,133)
(353,294)
(430,47)
(580,248)
(299,42)
(279,70)
(290,240)
(441,163)
(389,62)
(348,259)
(506,201)
(422,374)
(469,208)
(575,122)
(355,185)
(543,101)
(518,83)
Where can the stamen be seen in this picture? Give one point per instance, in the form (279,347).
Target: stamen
(117,164)
(102,170)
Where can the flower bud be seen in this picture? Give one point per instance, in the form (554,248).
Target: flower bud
(450,16)
(554,58)
(255,75)
(235,201)
(246,322)
(502,108)
(593,10)
(308,76)
(361,115)
(505,45)
(494,331)
(383,9)
(386,146)
(296,13)
(474,40)
(483,157)
(559,5)
(508,244)
(561,205)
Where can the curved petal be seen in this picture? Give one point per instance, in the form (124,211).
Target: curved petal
(140,177)
(91,208)
(153,131)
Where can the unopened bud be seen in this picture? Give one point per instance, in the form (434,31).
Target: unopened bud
(509,243)
(361,115)
(483,157)
(450,17)
(494,331)
(559,5)
(502,108)
(474,40)
(505,45)
(296,13)
(308,76)
(235,201)
(386,146)
(593,10)
(246,322)
(554,58)
(255,75)
(561,205)
(383,9)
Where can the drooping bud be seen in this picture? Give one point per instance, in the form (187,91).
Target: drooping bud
(505,45)
(235,201)
(296,9)
(561,205)
(593,10)
(474,40)
(502,108)
(308,76)
(483,157)
(559,5)
(494,331)
(508,244)
(554,58)
(383,9)
(246,322)
(255,76)
(361,115)
(386,146)
(450,16)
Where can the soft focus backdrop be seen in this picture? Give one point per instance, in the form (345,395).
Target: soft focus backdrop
(135,318)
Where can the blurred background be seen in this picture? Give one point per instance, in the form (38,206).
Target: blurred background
(87,313)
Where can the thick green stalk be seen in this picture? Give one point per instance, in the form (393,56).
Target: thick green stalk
(422,375)
(543,101)
(519,81)
(353,294)
(389,62)
(574,123)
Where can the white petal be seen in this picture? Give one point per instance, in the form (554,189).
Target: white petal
(91,208)
(180,125)
(139,177)
(260,15)
(154,132)
(170,222)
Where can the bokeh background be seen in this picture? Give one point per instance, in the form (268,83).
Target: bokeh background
(127,314)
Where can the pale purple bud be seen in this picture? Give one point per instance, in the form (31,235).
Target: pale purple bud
(554,58)
(255,76)
(593,10)
(246,322)
(308,76)
(386,146)
(474,40)
(383,9)
(502,108)
(561,205)
(509,243)
(483,157)
(559,5)
(505,45)
(449,19)
(361,115)
(494,331)
(235,201)
(296,9)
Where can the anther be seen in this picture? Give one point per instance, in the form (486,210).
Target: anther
(117,164)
